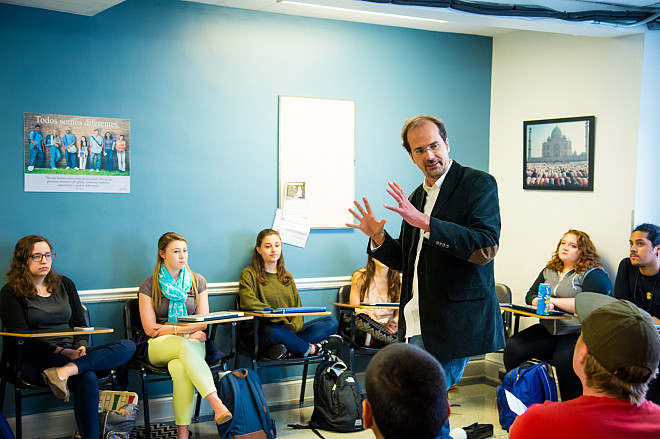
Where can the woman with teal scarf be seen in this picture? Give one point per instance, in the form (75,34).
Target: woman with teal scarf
(170,292)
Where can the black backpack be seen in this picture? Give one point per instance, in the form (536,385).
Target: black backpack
(337,398)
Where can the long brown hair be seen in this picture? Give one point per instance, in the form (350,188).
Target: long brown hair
(588,255)
(367,276)
(163,242)
(19,276)
(259,266)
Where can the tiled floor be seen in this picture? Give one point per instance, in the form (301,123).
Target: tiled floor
(470,403)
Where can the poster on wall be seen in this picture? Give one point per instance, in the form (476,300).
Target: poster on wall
(558,154)
(76,153)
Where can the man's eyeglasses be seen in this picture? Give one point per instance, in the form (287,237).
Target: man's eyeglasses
(37,257)
(418,152)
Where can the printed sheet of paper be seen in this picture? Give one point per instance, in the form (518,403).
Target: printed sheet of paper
(293,230)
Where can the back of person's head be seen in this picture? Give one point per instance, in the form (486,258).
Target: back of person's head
(652,232)
(623,346)
(407,392)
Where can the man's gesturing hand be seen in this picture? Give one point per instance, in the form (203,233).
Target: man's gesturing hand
(369,224)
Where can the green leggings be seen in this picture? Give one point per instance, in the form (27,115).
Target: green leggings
(185,361)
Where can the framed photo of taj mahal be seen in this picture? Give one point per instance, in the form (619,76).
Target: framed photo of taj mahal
(558,154)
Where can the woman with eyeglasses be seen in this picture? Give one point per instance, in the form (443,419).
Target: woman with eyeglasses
(173,291)
(37,298)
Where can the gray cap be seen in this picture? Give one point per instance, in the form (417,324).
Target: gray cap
(618,333)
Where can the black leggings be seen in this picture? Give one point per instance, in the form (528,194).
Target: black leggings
(367,325)
(537,342)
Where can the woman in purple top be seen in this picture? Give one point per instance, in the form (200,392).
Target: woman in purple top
(108,150)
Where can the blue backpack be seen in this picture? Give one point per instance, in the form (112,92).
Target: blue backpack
(531,384)
(5,429)
(241,392)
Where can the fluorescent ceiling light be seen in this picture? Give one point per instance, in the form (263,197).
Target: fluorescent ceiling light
(358,11)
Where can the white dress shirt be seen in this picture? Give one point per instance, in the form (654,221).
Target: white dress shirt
(411,309)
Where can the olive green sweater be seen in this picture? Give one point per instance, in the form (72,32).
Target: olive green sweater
(255,296)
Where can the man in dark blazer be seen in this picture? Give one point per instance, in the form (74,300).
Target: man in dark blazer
(448,239)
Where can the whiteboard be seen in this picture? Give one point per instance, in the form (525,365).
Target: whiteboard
(317,146)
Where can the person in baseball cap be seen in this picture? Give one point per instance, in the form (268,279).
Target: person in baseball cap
(616,357)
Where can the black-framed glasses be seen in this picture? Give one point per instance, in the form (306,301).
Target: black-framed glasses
(37,257)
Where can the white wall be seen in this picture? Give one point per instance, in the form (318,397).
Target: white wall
(540,76)
(647,205)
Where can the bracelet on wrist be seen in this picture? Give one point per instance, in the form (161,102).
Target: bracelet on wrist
(175,331)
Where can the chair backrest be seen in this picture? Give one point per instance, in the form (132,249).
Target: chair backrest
(344,294)
(88,323)
(503,293)
(504,296)
(132,321)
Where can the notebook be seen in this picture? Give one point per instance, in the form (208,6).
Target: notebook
(210,316)
(296,310)
(532,309)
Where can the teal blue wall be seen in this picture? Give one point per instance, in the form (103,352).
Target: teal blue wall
(200,85)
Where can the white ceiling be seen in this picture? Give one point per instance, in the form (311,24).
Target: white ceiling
(418,17)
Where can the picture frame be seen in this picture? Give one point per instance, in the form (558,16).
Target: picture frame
(558,154)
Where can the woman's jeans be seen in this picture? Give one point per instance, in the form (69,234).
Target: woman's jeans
(55,156)
(108,160)
(85,385)
(299,344)
(121,160)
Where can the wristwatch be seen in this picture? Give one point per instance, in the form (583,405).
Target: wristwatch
(186,335)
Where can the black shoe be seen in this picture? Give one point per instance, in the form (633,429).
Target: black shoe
(331,343)
(478,431)
(276,352)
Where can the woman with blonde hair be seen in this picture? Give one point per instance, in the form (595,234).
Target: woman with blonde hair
(574,267)
(376,283)
(53,142)
(173,291)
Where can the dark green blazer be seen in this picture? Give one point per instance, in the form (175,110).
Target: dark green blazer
(459,311)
